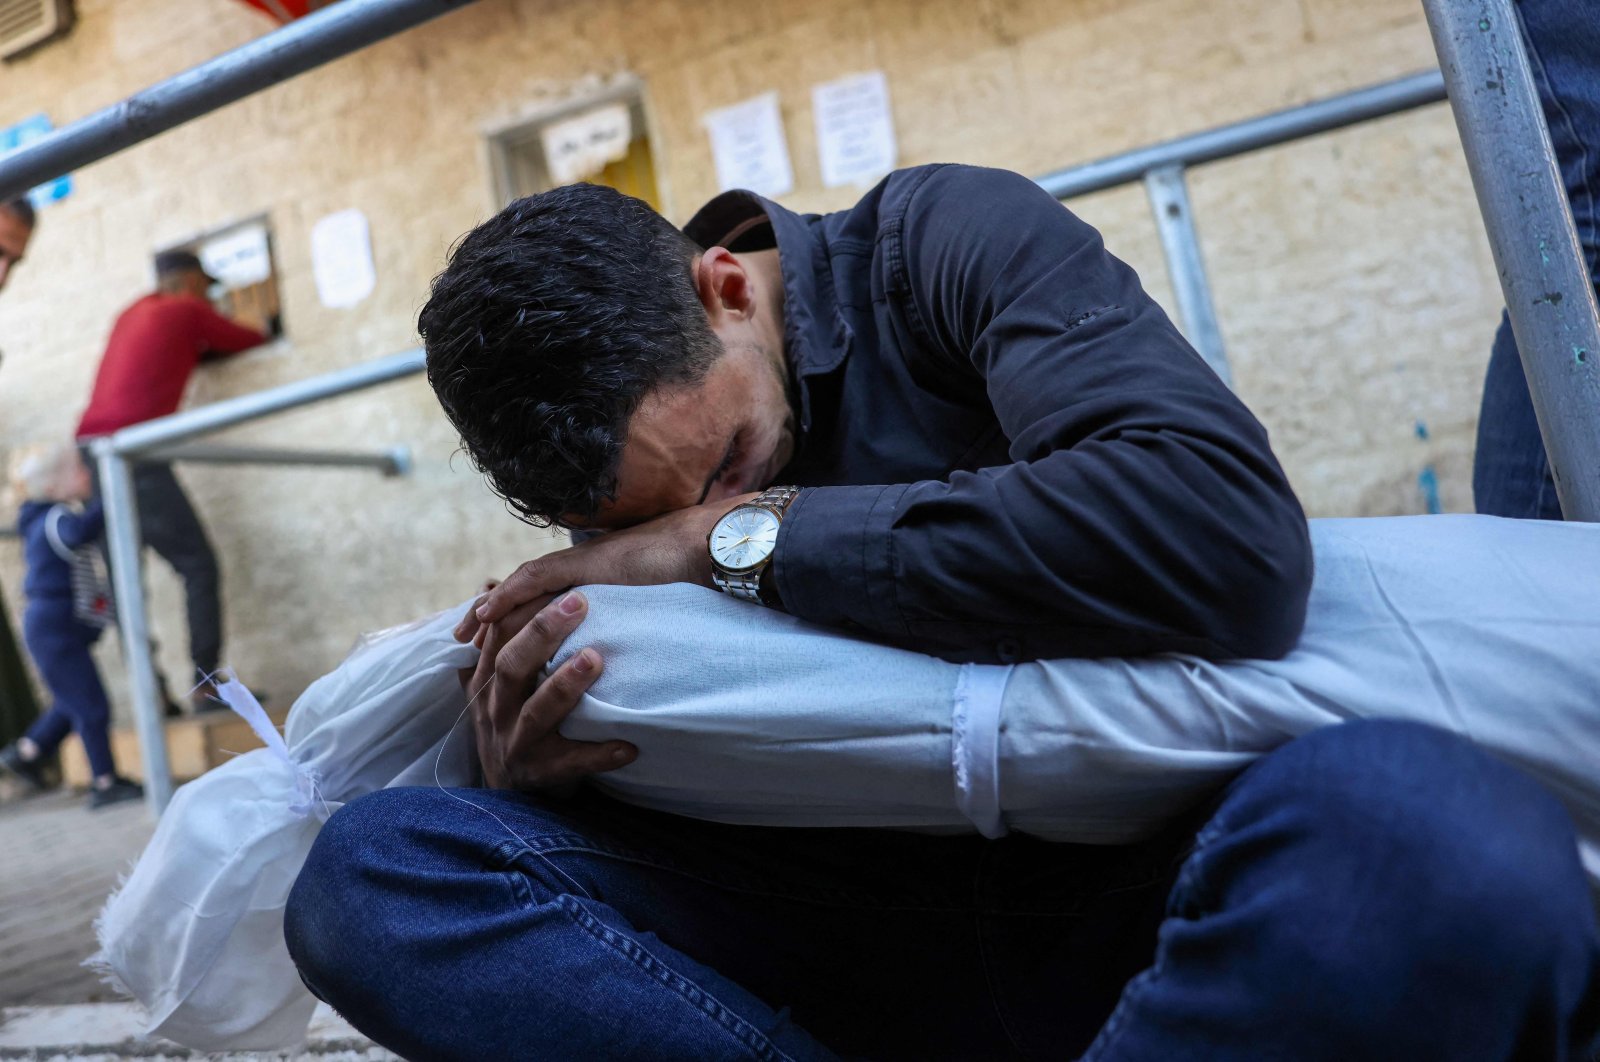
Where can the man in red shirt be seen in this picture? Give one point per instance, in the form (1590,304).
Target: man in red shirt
(153,350)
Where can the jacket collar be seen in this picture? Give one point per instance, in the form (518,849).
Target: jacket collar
(816,338)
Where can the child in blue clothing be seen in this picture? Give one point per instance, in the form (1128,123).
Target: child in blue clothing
(66,611)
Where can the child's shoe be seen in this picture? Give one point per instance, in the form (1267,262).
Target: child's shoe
(30,771)
(119,790)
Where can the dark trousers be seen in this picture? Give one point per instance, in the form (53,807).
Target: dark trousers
(1371,891)
(169,525)
(1511,475)
(59,644)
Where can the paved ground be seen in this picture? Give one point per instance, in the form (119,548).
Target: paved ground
(58,862)
(109,1032)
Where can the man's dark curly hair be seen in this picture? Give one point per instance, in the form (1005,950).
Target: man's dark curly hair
(549,325)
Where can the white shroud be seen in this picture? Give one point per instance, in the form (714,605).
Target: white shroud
(1486,627)
(1489,628)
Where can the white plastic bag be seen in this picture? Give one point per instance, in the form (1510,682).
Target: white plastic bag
(195,934)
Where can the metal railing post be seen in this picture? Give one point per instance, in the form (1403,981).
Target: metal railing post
(1180,242)
(1548,289)
(122,538)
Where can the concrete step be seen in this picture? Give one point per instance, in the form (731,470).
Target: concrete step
(101,1032)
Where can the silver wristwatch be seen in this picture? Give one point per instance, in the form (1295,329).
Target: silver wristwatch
(742,542)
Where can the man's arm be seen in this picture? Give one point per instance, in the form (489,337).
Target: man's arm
(1144,511)
(220,336)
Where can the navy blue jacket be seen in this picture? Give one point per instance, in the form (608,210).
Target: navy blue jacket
(49,576)
(1010,451)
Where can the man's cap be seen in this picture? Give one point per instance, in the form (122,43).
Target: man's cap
(736,220)
(181,262)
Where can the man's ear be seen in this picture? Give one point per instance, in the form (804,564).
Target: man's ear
(724,286)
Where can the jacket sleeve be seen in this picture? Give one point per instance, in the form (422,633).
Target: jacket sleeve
(220,337)
(78,529)
(1143,510)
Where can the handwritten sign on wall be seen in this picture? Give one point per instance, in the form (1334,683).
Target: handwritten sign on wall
(749,148)
(855,131)
(579,147)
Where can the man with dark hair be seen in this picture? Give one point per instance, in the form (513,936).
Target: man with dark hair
(154,348)
(946,419)
(548,433)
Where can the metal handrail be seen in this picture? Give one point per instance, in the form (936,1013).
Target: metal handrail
(179,427)
(327,34)
(1163,168)
(1252,134)
(395,461)
(115,455)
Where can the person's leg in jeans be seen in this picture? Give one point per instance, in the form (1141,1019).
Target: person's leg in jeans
(59,645)
(48,731)
(541,929)
(1363,891)
(1510,474)
(25,757)
(169,525)
(1377,890)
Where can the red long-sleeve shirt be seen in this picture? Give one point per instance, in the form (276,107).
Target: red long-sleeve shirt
(153,349)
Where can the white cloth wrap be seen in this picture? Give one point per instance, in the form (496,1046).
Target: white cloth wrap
(1490,628)
(1486,627)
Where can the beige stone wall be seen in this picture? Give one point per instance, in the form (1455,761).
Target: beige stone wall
(1356,293)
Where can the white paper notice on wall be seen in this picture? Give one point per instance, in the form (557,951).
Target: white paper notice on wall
(579,147)
(748,146)
(855,131)
(341,258)
(238,258)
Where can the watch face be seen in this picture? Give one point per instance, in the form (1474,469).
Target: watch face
(744,538)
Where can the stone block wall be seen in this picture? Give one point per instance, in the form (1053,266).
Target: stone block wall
(1355,289)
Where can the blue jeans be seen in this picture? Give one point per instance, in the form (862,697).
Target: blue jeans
(1510,474)
(59,644)
(1375,890)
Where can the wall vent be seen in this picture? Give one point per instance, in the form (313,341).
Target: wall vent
(26,24)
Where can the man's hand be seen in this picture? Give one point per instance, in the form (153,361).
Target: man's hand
(254,321)
(516,717)
(668,549)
